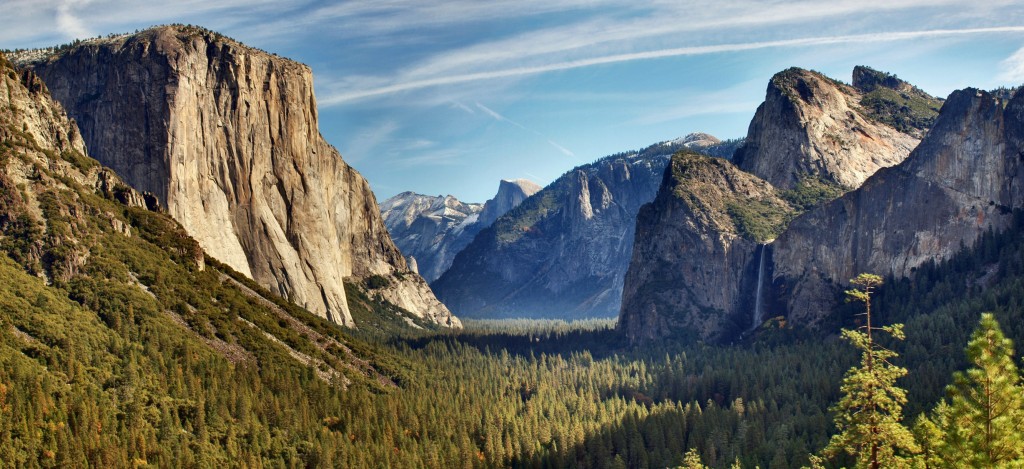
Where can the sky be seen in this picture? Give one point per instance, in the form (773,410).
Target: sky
(449,97)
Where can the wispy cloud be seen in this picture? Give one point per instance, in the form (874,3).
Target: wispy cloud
(644,23)
(565,151)
(1012,68)
(69,24)
(661,53)
(494,114)
(498,117)
(448,156)
(685,104)
(386,140)
(40,23)
(533,177)
(397,20)
(462,107)
(368,140)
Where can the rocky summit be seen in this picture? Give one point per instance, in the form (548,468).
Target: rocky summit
(226,137)
(510,194)
(431,230)
(963,180)
(813,127)
(563,252)
(704,254)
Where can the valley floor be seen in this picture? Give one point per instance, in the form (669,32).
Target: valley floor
(125,387)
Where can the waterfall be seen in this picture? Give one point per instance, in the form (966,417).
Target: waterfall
(758,314)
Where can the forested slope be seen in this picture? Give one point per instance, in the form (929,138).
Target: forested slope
(122,344)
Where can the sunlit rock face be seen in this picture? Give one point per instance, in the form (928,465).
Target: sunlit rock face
(812,126)
(226,137)
(962,180)
(433,229)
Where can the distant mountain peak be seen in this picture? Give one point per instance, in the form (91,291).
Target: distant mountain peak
(696,139)
(434,229)
(812,126)
(510,194)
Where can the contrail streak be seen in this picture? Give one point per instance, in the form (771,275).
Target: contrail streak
(657,54)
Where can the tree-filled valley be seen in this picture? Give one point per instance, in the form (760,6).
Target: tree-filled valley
(110,381)
(288,330)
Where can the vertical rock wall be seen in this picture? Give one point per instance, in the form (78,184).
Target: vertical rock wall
(227,138)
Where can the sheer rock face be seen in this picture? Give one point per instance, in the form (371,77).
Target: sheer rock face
(963,179)
(42,152)
(226,137)
(510,194)
(434,229)
(695,277)
(431,229)
(693,274)
(812,126)
(563,252)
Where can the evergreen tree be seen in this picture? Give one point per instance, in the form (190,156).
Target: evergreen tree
(982,422)
(692,460)
(930,436)
(868,414)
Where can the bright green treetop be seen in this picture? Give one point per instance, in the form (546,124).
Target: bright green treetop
(868,414)
(983,421)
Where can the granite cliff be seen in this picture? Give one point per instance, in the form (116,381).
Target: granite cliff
(812,139)
(43,161)
(962,180)
(813,127)
(431,230)
(226,137)
(563,252)
(105,303)
(698,251)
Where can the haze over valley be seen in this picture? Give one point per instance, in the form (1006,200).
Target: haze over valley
(511,234)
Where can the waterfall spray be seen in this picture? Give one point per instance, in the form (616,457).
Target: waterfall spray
(758,314)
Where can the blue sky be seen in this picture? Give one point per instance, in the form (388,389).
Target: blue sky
(448,97)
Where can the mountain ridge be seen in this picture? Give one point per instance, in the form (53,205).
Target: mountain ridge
(962,181)
(227,138)
(563,252)
(811,141)
(433,230)
(426,228)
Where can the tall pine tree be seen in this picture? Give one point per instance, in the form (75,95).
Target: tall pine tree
(868,414)
(982,424)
